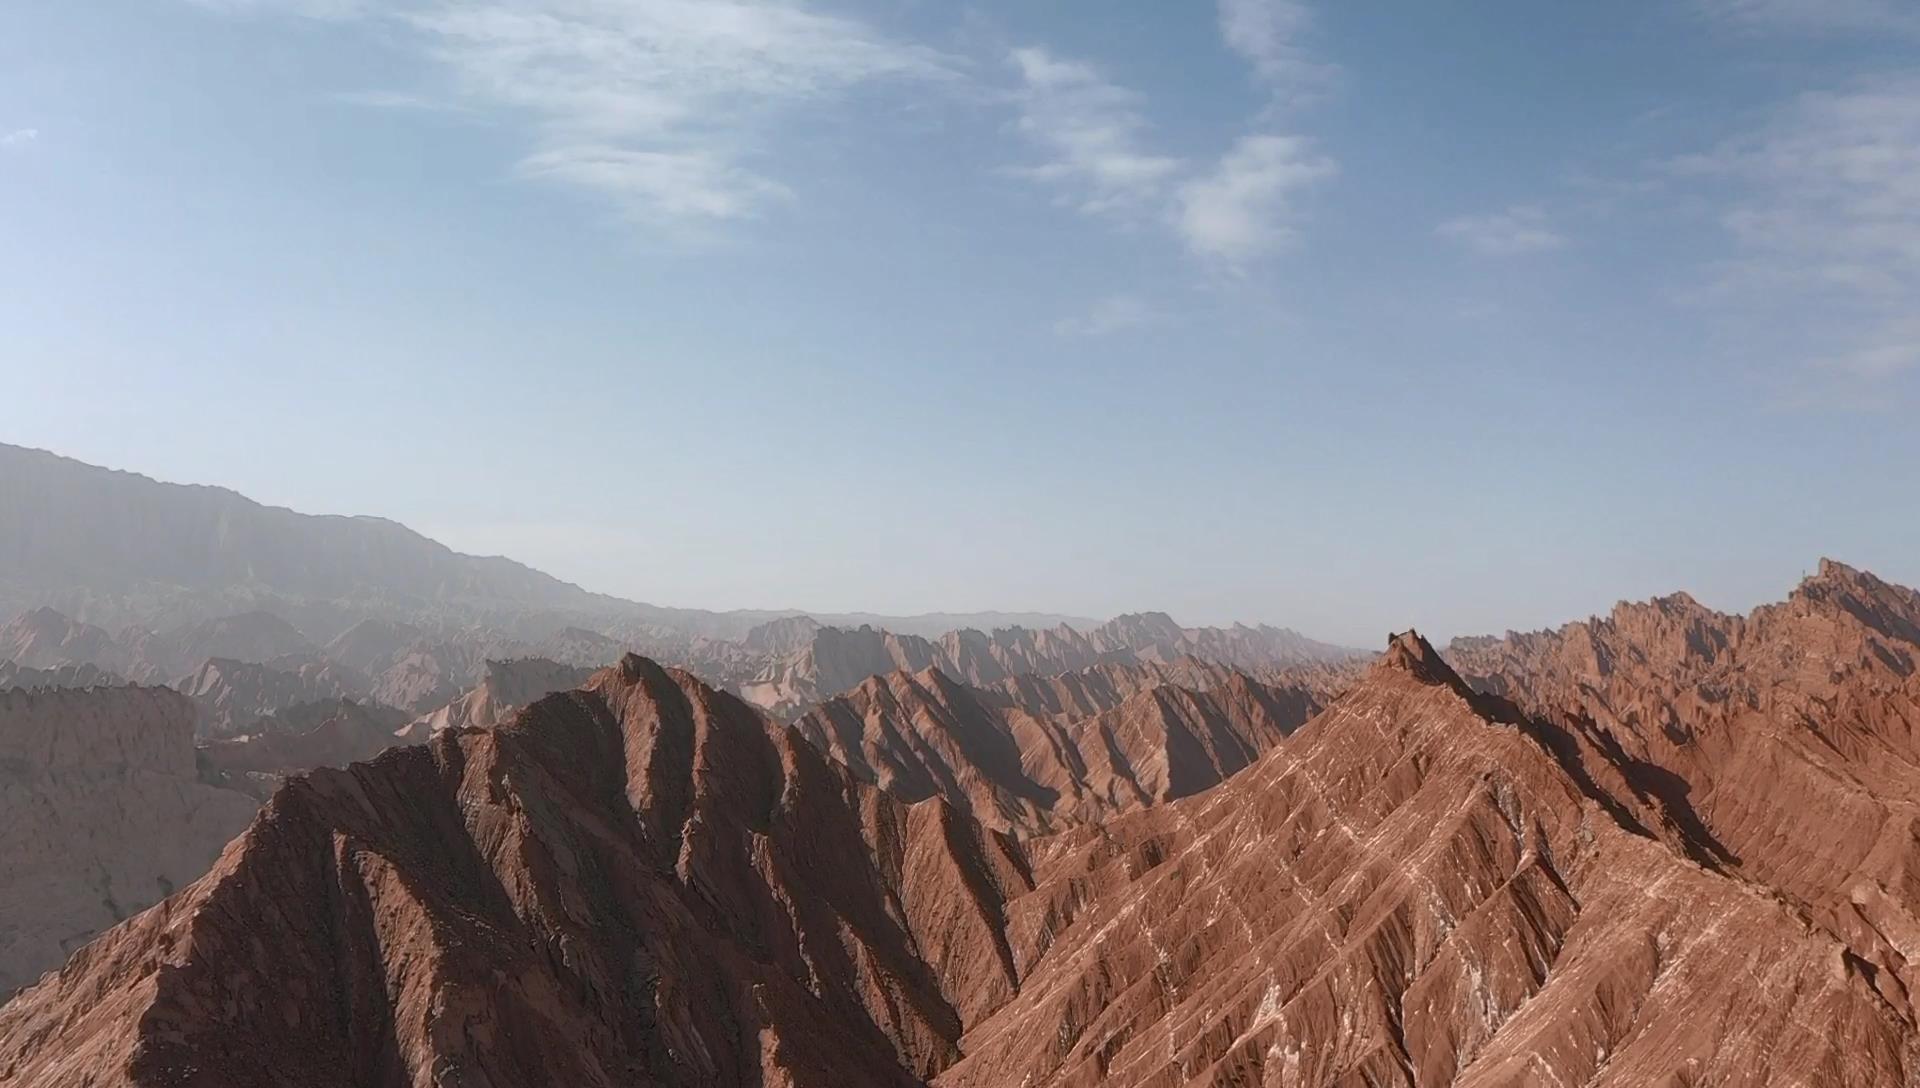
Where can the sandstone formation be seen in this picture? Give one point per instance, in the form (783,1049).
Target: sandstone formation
(101,815)
(645,882)
(506,687)
(300,738)
(59,676)
(835,660)
(233,694)
(45,639)
(1421,888)
(638,883)
(1786,742)
(1037,754)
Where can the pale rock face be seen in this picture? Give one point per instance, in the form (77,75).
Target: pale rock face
(232,695)
(101,816)
(506,687)
(1038,754)
(836,660)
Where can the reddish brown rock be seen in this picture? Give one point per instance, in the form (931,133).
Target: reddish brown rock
(1037,754)
(503,690)
(301,738)
(1784,744)
(639,883)
(1665,848)
(1415,890)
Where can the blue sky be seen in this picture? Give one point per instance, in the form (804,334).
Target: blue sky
(1340,316)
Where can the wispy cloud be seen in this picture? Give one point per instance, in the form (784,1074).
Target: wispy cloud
(662,186)
(658,105)
(305,9)
(20,137)
(400,100)
(1089,132)
(1269,34)
(1822,207)
(1113,314)
(1820,16)
(1243,207)
(1235,210)
(1519,230)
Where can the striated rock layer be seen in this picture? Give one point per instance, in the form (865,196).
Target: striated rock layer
(1419,888)
(504,689)
(1786,742)
(1036,754)
(300,738)
(638,883)
(834,660)
(1666,848)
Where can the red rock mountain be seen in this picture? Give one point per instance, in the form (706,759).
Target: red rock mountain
(298,739)
(638,883)
(1785,742)
(233,694)
(1419,889)
(506,687)
(1668,847)
(836,660)
(1037,754)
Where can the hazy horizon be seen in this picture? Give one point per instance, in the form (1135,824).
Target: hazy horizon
(1356,641)
(1337,318)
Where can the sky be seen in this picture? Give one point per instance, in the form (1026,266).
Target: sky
(1346,317)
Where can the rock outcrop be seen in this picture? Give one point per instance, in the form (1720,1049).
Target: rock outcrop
(1039,754)
(1785,743)
(836,660)
(102,814)
(300,738)
(638,883)
(60,676)
(1419,888)
(1667,847)
(233,694)
(506,687)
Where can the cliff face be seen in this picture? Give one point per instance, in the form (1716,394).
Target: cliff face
(101,815)
(1785,744)
(835,660)
(639,883)
(1666,847)
(506,687)
(234,695)
(1413,890)
(1039,754)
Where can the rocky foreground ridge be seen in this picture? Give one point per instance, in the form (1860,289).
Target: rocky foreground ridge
(1665,847)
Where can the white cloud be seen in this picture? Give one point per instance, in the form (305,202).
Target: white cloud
(399,100)
(1822,207)
(305,9)
(1268,34)
(1089,130)
(656,104)
(1519,230)
(1243,207)
(20,137)
(1899,16)
(664,186)
(1115,313)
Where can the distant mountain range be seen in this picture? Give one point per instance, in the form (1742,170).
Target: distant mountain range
(116,548)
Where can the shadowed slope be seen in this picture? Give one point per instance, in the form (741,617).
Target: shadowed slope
(1036,754)
(637,883)
(1410,892)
